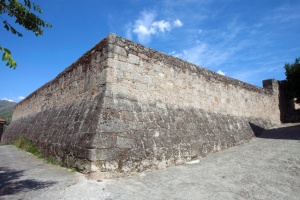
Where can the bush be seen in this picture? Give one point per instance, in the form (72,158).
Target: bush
(27,145)
(293,79)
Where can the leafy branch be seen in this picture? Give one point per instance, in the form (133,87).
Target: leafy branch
(6,57)
(24,16)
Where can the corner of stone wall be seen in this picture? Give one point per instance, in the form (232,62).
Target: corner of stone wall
(272,87)
(111,38)
(119,134)
(65,129)
(286,105)
(271,84)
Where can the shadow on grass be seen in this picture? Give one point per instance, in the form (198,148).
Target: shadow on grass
(283,133)
(11,182)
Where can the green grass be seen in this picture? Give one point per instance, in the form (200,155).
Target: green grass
(73,170)
(6,114)
(50,160)
(27,145)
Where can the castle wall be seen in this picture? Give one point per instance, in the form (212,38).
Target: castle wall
(148,75)
(123,107)
(61,116)
(167,111)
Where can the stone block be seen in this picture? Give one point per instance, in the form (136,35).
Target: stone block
(111,126)
(127,115)
(104,140)
(117,50)
(102,154)
(123,142)
(133,59)
(122,58)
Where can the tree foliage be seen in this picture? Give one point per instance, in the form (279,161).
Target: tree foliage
(24,14)
(292,72)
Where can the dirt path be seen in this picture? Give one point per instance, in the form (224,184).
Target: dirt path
(267,167)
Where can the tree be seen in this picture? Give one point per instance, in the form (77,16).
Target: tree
(24,15)
(292,72)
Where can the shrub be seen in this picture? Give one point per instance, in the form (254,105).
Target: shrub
(293,80)
(27,145)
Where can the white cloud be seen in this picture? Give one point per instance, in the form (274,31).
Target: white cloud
(146,26)
(175,54)
(128,31)
(256,75)
(143,27)
(221,72)
(211,49)
(206,55)
(143,30)
(285,13)
(6,99)
(177,23)
(161,25)
(13,99)
(223,44)
(21,97)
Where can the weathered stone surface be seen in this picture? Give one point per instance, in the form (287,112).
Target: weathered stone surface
(123,108)
(133,59)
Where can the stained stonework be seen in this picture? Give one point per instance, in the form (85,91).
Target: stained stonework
(123,107)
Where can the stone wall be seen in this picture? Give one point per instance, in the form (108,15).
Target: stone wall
(123,107)
(61,117)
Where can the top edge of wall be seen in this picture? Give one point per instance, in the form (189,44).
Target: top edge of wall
(185,65)
(156,55)
(84,58)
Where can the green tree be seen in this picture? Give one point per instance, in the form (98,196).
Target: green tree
(24,14)
(292,72)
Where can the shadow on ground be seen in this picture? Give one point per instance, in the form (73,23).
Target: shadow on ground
(283,133)
(11,182)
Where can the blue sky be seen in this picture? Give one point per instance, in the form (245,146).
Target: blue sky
(249,40)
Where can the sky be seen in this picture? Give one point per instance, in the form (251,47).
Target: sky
(249,40)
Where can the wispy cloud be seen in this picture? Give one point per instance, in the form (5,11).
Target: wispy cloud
(6,99)
(206,55)
(285,13)
(246,47)
(213,48)
(221,72)
(146,26)
(13,99)
(21,97)
(253,75)
(178,23)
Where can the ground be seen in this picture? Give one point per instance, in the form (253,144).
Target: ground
(268,167)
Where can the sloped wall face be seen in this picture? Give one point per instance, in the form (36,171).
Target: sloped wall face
(61,117)
(124,108)
(164,111)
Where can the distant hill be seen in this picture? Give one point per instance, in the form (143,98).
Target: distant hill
(6,109)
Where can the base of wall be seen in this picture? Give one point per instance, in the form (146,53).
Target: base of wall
(129,137)
(64,134)
(153,136)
